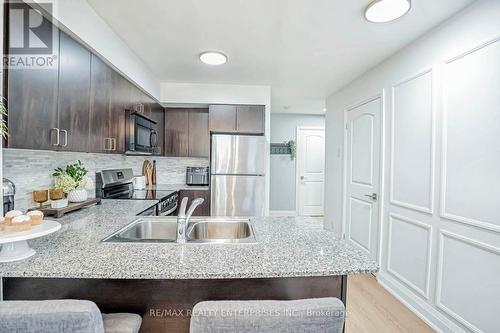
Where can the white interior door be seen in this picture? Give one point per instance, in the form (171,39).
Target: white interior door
(310,171)
(362,172)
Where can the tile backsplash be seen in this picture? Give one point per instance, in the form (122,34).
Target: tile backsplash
(32,169)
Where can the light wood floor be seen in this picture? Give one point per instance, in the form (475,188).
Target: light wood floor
(372,309)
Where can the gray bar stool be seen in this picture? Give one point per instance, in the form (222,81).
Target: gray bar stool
(63,316)
(306,315)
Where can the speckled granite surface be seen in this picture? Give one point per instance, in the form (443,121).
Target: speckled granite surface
(287,247)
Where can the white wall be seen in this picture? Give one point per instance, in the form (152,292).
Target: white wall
(440,233)
(82,20)
(284,128)
(192,93)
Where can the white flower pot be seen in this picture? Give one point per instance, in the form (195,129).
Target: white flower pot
(78,195)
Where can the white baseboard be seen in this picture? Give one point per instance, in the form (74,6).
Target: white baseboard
(282,213)
(425,311)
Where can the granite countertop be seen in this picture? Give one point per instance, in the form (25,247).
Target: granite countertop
(287,247)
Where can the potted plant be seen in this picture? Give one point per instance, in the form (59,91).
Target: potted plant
(73,180)
(292,146)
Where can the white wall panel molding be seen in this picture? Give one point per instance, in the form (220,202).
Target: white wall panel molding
(481,210)
(360,210)
(475,301)
(427,248)
(427,207)
(437,320)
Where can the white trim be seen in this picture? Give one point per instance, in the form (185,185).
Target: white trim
(444,145)
(439,275)
(392,200)
(297,165)
(282,213)
(429,314)
(428,228)
(382,97)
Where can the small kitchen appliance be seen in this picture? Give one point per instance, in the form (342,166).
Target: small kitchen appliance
(197,176)
(141,137)
(118,184)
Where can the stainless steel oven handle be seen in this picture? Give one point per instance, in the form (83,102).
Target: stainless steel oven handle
(170,211)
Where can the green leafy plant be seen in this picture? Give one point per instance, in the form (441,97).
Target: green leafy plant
(3,114)
(74,176)
(293,149)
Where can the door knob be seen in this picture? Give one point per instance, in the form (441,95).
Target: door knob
(303,178)
(372,196)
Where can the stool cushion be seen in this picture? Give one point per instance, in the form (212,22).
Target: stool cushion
(121,323)
(307,315)
(55,316)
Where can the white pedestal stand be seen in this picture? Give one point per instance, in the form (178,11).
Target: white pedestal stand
(15,244)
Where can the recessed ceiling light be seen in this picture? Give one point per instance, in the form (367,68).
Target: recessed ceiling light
(213,58)
(381,11)
(324,109)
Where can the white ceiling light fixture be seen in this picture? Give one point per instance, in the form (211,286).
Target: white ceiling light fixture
(382,11)
(213,58)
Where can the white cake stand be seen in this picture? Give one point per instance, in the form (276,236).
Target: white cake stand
(15,244)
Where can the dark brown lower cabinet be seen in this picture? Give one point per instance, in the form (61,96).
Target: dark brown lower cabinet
(204,208)
(165,305)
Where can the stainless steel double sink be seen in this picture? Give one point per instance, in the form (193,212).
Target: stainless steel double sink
(200,230)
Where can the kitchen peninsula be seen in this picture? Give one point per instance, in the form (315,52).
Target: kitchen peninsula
(292,259)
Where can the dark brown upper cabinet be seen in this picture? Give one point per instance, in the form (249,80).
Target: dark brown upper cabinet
(222,118)
(176,132)
(74,94)
(237,118)
(32,103)
(199,135)
(100,138)
(186,133)
(250,119)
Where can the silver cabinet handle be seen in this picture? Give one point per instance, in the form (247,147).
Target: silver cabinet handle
(372,196)
(106,145)
(65,138)
(57,135)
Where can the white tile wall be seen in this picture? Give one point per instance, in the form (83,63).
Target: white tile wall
(32,169)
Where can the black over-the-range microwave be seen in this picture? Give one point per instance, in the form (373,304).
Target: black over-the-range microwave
(141,137)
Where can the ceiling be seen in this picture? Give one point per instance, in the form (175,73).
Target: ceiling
(305,50)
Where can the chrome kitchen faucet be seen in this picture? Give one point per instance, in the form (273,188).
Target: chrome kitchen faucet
(183,217)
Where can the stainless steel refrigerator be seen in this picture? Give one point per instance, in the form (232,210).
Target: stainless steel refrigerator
(237,180)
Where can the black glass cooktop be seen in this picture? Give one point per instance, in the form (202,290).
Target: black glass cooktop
(144,195)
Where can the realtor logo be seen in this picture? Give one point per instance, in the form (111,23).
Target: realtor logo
(29,31)
(30,37)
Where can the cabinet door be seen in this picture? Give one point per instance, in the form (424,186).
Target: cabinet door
(199,135)
(158,115)
(222,118)
(250,119)
(32,103)
(74,94)
(100,103)
(176,132)
(120,99)
(204,208)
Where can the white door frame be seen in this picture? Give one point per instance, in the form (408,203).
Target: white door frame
(381,196)
(297,173)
